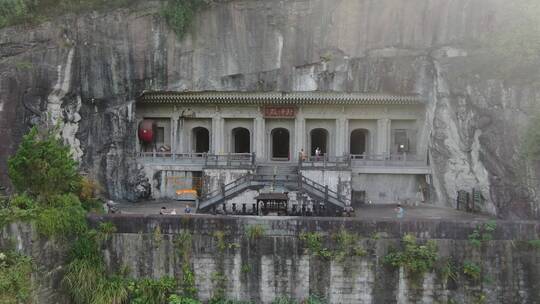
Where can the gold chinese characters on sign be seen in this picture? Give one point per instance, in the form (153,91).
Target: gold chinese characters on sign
(279,112)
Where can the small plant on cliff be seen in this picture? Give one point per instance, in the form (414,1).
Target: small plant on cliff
(313,241)
(255,232)
(347,246)
(15,272)
(179,14)
(414,258)
(219,236)
(472,270)
(482,233)
(151,291)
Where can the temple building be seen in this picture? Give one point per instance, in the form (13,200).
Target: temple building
(352,148)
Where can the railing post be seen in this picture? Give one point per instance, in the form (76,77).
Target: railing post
(205,155)
(326,193)
(253,158)
(324,160)
(228,159)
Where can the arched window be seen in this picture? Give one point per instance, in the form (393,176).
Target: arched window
(200,140)
(280,143)
(319,139)
(359,141)
(241,140)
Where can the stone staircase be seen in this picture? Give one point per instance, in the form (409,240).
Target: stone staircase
(285,176)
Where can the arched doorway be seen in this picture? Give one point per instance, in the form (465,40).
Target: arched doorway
(241,140)
(319,139)
(201,140)
(359,142)
(280,143)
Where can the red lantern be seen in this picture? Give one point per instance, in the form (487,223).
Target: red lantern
(146,131)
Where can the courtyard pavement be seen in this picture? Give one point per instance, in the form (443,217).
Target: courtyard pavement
(383,212)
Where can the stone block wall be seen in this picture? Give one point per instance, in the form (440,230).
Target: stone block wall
(279,263)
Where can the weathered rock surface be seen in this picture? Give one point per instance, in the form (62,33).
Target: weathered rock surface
(85,73)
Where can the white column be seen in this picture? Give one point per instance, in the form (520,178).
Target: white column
(383,136)
(341,137)
(260,138)
(218,126)
(299,136)
(174,134)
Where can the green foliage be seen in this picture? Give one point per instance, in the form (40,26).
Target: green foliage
(482,233)
(255,232)
(448,271)
(314,244)
(314,299)
(89,189)
(20,207)
(14,12)
(220,239)
(43,166)
(246,268)
(183,243)
(106,230)
(150,291)
(534,243)
(65,217)
(188,281)
(179,14)
(15,272)
(219,281)
(532,139)
(24,65)
(414,258)
(472,270)
(284,300)
(157,236)
(347,246)
(176,299)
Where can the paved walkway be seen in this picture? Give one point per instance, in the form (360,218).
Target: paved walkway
(423,211)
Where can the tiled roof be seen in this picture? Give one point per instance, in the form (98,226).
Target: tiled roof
(306,98)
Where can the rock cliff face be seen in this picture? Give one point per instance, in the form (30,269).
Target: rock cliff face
(84,73)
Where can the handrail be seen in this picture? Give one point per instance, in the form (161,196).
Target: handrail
(318,186)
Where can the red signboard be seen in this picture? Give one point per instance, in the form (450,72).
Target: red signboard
(279,112)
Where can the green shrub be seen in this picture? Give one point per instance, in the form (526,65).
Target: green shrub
(347,246)
(414,258)
(254,232)
(534,243)
(314,244)
(314,299)
(14,11)
(179,14)
(176,299)
(284,300)
(15,272)
(64,218)
(472,270)
(43,166)
(150,291)
(482,233)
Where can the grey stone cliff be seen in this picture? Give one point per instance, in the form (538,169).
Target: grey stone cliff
(84,73)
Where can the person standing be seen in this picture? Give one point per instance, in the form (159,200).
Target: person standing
(317,153)
(400,212)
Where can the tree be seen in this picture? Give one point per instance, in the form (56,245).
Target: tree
(43,166)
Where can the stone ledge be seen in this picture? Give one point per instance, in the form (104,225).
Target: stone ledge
(292,226)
